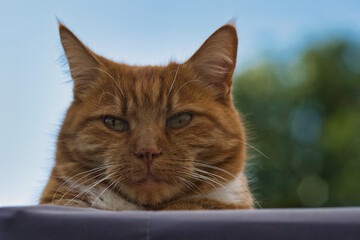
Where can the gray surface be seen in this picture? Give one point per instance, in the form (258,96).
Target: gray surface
(52,222)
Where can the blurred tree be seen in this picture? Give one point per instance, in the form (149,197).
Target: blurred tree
(305,116)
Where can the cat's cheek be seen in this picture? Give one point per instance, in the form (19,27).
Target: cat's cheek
(86,151)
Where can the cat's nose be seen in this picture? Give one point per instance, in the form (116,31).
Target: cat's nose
(147,154)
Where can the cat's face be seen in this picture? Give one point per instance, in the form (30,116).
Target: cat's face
(157,133)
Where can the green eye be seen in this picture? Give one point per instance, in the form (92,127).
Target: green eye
(179,120)
(116,124)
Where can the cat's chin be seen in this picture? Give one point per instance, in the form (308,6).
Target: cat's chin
(150,191)
(150,185)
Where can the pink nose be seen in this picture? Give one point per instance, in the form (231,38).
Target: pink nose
(147,154)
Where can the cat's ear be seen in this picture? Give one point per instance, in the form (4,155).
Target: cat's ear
(83,63)
(215,60)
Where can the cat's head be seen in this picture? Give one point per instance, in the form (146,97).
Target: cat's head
(156,132)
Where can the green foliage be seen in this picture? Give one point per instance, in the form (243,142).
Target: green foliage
(305,116)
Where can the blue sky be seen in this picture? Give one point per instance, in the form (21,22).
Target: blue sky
(34,92)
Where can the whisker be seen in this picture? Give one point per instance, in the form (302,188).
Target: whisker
(172,84)
(211,175)
(226,180)
(116,83)
(201,178)
(109,93)
(94,185)
(209,166)
(67,180)
(89,172)
(254,148)
(109,185)
(77,186)
(190,185)
(97,169)
(102,70)
(213,167)
(189,82)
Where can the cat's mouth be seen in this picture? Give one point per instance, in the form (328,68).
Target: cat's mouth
(149,178)
(149,190)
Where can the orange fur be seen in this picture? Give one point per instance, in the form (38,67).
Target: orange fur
(197,166)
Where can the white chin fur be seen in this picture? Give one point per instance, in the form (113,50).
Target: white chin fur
(235,191)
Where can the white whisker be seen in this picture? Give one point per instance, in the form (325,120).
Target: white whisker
(172,84)
(111,184)
(77,186)
(101,70)
(89,172)
(257,150)
(188,83)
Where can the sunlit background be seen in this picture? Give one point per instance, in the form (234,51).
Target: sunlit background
(297,85)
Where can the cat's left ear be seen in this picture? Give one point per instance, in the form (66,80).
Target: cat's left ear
(215,60)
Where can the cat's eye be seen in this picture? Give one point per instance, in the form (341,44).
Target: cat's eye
(179,120)
(116,124)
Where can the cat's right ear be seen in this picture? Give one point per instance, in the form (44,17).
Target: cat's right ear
(83,63)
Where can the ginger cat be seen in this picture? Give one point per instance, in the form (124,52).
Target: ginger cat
(151,137)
